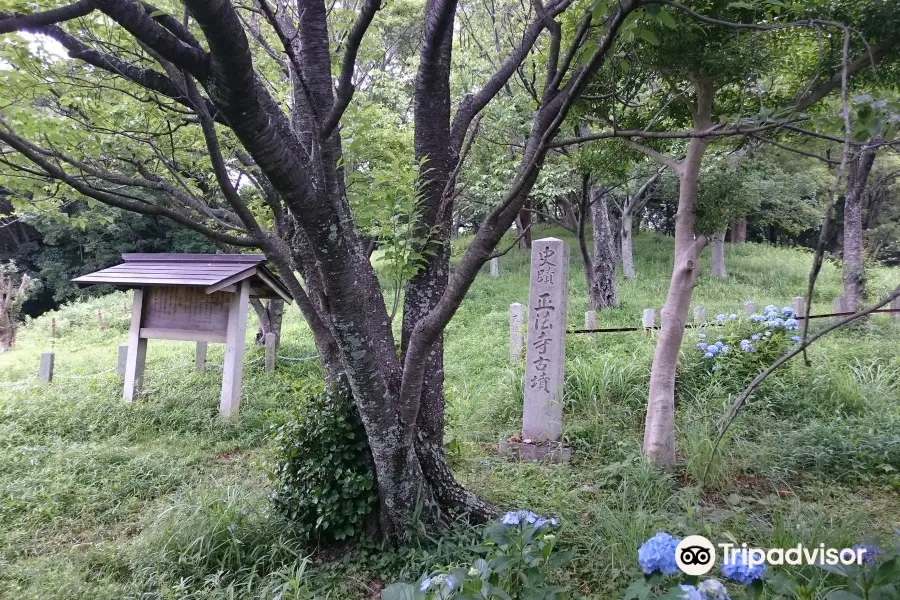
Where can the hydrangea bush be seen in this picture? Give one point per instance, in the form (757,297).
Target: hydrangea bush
(741,348)
(517,554)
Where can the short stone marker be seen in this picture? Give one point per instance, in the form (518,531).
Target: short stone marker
(798,305)
(495,268)
(590,322)
(648,318)
(837,305)
(545,355)
(45,370)
(750,307)
(516,318)
(123,360)
(271,347)
(200,357)
(699,315)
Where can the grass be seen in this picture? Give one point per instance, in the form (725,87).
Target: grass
(163,500)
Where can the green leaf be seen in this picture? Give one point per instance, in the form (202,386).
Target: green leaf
(638,590)
(399,591)
(646,34)
(667,19)
(841,595)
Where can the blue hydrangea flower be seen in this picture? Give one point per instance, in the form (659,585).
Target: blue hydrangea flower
(871,553)
(553,522)
(529,517)
(770,308)
(450,583)
(791,324)
(720,317)
(754,337)
(426,583)
(757,318)
(701,346)
(715,367)
(510,518)
(739,569)
(795,339)
(708,355)
(689,592)
(712,589)
(724,349)
(745,345)
(658,554)
(720,343)
(732,317)
(787,311)
(713,349)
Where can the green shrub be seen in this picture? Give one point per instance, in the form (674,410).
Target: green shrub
(844,450)
(515,560)
(740,350)
(323,468)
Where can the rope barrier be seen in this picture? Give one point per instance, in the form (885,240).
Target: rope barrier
(717,324)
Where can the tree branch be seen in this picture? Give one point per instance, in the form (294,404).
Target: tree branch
(345,89)
(10,22)
(116,200)
(132,18)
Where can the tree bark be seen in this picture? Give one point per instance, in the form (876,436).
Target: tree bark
(659,429)
(524,223)
(738,231)
(627,249)
(717,245)
(269,316)
(854,274)
(602,290)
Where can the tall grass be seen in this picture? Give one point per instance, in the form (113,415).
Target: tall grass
(163,500)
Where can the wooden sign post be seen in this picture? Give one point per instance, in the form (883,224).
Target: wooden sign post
(191,297)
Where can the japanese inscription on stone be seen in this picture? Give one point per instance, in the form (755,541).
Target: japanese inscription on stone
(545,353)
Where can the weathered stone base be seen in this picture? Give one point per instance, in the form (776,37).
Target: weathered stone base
(554,453)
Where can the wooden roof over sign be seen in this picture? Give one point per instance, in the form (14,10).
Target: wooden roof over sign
(214,272)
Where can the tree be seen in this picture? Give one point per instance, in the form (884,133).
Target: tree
(14,289)
(169,111)
(702,77)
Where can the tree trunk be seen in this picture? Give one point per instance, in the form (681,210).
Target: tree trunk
(602,290)
(7,333)
(854,275)
(627,250)
(738,231)
(524,222)
(659,429)
(269,317)
(717,246)
(615,227)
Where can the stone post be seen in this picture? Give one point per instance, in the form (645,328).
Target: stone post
(495,268)
(750,307)
(45,370)
(837,305)
(271,346)
(648,318)
(590,322)
(123,359)
(200,357)
(545,355)
(516,318)
(798,304)
(699,315)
